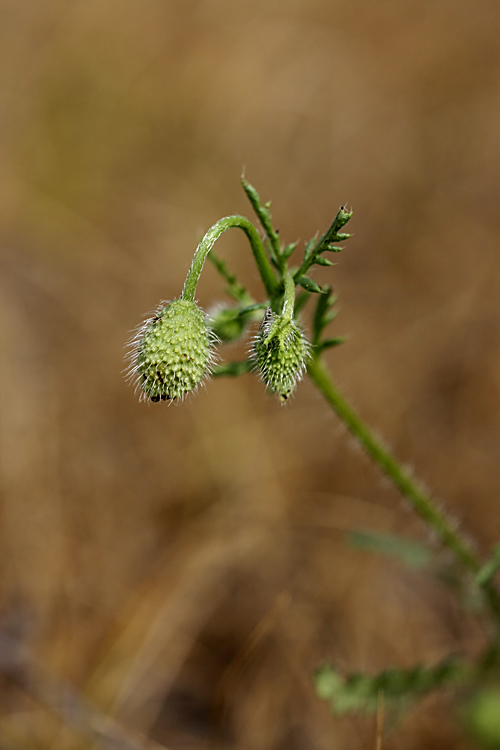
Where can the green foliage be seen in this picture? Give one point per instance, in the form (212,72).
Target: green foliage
(264,217)
(314,249)
(234,289)
(489,569)
(323,315)
(481,716)
(358,692)
(309,285)
(233,369)
(227,323)
(412,553)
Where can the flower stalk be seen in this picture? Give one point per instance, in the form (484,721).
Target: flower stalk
(266,272)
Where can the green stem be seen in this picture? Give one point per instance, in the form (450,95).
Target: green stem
(423,505)
(207,243)
(289,297)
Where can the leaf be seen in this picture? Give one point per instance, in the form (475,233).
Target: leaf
(235,289)
(321,316)
(320,261)
(414,554)
(358,692)
(253,308)
(309,284)
(232,369)
(329,317)
(264,217)
(489,569)
(329,343)
(288,250)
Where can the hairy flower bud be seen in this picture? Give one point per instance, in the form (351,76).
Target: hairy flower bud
(172,352)
(281,352)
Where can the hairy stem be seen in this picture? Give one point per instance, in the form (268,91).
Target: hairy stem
(421,502)
(289,297)
(206,244)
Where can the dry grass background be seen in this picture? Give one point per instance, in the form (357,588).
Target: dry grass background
(186,568)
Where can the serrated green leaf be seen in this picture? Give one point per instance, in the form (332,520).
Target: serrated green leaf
(264,217)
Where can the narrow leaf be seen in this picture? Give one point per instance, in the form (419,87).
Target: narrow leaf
(414,554)
(329,343)
(288,250)
(252,308)
(265,219)
(309,284)
(232,369)
(235,289)
(486,573)
(320,261)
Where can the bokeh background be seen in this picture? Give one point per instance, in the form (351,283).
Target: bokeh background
(185,569)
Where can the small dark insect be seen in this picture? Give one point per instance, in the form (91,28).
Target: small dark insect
(155,398)
(165,398)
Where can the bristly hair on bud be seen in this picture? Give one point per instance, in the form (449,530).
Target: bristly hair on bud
(172,352)
(280,352)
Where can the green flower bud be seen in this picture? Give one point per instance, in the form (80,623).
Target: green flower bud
(171,353)
(281,352)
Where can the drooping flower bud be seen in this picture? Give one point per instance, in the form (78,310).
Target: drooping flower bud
(172,352)
(281,352)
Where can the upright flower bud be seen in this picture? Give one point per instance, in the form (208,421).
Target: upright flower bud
(281,352)
(172,352)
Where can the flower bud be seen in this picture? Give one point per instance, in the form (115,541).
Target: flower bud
(281,352)
(172,352)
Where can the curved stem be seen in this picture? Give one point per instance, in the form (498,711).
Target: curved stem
(206,244)
(419,499)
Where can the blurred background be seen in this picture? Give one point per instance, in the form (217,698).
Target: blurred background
(185,569)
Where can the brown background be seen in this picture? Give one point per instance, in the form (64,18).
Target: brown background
(186,568)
